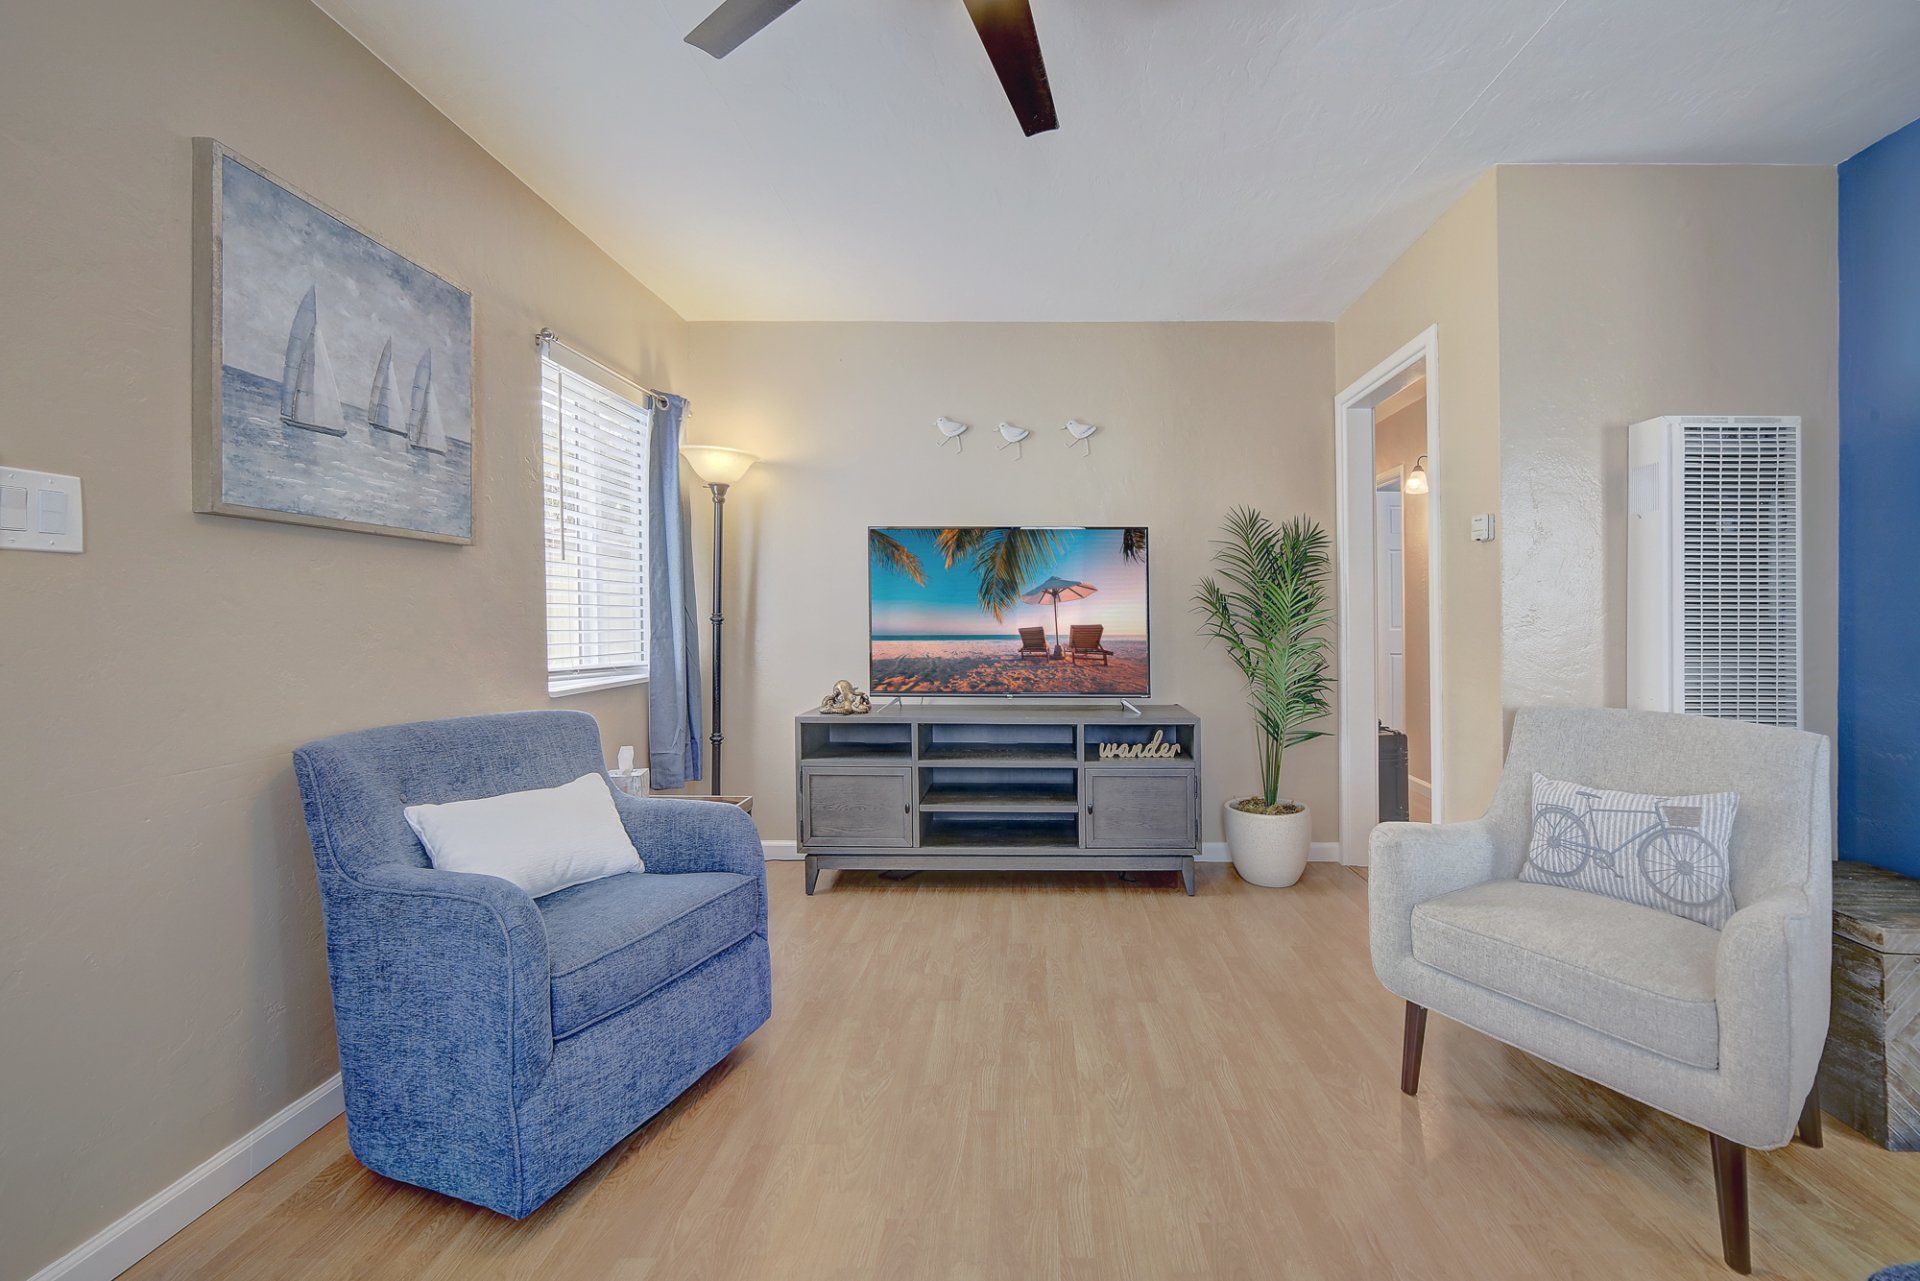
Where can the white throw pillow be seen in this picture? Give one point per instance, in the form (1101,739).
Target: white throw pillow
(543,840)
(1668,852)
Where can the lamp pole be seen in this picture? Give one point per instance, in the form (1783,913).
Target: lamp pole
(717,618)
(718,468)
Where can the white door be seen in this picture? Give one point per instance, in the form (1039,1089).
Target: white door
(1390,607)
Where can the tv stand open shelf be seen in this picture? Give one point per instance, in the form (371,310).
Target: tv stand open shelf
(1000,787)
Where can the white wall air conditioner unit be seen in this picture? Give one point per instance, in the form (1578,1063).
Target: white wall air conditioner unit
(1713,568)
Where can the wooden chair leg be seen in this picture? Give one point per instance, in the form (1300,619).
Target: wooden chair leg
(1810,1118)
(1730,1186)
(1411,1043)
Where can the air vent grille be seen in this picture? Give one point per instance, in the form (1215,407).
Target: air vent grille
(1740,589)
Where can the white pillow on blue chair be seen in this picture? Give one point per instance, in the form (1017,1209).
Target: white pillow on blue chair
(542,840)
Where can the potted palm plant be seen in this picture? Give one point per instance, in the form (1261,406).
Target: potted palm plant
(1268,606)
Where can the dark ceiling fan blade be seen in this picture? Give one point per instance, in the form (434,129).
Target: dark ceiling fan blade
(734,22)
(1006,29)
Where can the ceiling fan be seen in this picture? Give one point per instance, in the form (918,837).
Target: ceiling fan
(1005,27)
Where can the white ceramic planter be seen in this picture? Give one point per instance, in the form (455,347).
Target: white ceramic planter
(1269,849)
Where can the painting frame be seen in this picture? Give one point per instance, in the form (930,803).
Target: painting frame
(209,389)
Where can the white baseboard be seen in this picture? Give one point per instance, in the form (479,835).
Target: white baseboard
(146,1227)
(1210,851)
(1420,787)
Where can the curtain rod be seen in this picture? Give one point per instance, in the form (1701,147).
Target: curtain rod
(545,337)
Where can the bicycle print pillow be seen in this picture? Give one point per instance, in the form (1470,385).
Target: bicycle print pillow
(1668,852)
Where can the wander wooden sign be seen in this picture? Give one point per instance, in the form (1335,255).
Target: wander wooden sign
(1155,748)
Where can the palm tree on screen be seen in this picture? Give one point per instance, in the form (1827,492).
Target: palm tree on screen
(888,552)
(1006,558)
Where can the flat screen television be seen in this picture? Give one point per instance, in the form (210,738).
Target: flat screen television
(1025,611)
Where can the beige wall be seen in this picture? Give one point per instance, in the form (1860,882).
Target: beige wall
(1195,419)
(1399,438)
(1569,302)
(164,982)
(1627,292)
(1449,280)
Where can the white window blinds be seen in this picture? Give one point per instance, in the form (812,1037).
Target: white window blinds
(594,450)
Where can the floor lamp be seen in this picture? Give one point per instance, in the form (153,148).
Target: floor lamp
(718,469)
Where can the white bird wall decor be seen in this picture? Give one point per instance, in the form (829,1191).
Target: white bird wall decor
(1082,433)
(951,429)
(1013,436)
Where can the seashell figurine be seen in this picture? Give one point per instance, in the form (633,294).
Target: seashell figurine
(845,700)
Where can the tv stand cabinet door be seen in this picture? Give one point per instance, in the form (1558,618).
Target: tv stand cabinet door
(855,806)
(1129,807)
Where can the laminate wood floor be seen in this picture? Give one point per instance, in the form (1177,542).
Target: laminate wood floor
(1066,1076)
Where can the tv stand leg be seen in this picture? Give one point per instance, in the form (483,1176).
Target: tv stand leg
(1186,875)
(813,874)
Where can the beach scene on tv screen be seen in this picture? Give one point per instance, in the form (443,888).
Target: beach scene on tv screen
(1021,610)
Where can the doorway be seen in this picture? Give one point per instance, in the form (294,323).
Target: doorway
(1391,763)
(1402,608)
(1389,596)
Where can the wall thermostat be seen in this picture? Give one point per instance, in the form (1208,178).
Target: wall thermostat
(1483,528)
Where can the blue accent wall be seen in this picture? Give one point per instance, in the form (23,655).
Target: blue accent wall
(1878,749)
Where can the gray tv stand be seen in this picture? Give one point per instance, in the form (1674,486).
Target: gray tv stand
(999,788)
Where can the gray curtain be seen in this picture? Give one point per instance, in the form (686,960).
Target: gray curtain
(673,640)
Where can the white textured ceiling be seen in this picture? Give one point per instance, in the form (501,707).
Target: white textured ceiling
(1217,159)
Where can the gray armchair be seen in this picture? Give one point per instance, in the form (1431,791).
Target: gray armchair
(1721,1028)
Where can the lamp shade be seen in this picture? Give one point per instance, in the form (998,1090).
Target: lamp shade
(1417,478)
(716,465)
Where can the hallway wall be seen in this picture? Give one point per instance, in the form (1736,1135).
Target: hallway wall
(1399,439)
(1449,279)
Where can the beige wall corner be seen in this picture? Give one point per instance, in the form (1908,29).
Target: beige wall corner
(1628,292)
(1195,418)
(160,931)
(1449,280)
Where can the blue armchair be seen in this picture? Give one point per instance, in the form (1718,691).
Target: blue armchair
(492,1045)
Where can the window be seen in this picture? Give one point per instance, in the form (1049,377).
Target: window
(594,453)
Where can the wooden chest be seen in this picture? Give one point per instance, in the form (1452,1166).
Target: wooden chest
(1870,1073)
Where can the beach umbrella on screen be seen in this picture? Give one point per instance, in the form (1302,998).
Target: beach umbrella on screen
(1057,590)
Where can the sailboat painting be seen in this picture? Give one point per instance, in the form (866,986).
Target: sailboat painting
(304,325)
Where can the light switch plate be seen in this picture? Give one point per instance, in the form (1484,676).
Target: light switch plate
(53,518)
